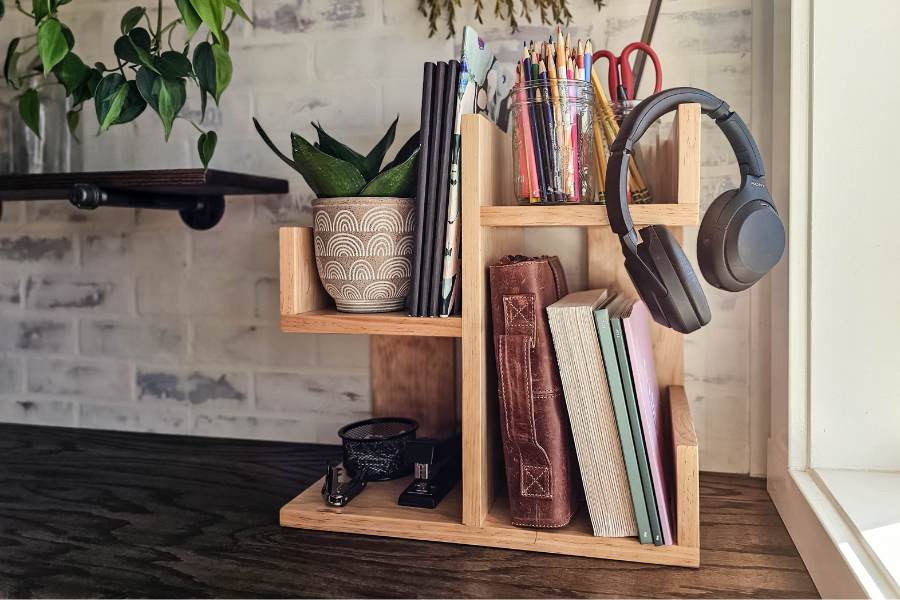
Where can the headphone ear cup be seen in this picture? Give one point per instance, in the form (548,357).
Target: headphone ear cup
(710,244)
(685,273)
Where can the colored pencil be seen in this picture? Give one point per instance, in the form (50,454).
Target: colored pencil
(533,125)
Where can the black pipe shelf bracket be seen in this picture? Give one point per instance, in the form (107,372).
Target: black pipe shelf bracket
(198,195)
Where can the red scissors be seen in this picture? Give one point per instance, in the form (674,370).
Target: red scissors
(621,63)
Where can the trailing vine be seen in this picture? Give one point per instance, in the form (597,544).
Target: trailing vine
(551,12)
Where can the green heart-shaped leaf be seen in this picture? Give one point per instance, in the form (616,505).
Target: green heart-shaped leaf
(52,45)
(72,119)
(30,111)
(206,147)
(173,64)
(10,73)
(205,67)
(398,182)
(85,90)
(211,12)
(236,7)
(109,98)
(223,70)
(329,177)
(40,9)
(192,20)
(131,18)
(70,72)
(133,107)
(374,159)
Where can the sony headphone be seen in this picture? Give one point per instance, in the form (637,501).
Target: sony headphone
(741,236)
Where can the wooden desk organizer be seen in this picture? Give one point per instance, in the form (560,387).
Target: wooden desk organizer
(477,511)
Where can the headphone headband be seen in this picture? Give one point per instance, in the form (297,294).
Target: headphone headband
(645,114)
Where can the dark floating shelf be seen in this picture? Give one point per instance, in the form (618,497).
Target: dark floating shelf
(198,195)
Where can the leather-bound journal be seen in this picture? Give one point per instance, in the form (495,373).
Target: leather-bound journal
(541,468)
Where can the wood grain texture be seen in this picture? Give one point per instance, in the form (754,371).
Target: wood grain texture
(687,465)
(415,377)
(586,215)
(329,320)
(56,186)
(687,153)
(487,163)
(104,514)
(301,288)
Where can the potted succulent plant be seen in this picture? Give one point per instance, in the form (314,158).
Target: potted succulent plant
(363,217)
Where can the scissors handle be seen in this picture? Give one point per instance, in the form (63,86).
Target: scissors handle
(613,77)
(628,77)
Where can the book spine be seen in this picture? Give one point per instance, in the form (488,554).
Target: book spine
(422,187)
(637,433)
(629,453)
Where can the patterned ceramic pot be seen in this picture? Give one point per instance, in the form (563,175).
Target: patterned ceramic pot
(364,251)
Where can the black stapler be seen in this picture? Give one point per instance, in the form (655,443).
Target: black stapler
(340,488)
(438,470)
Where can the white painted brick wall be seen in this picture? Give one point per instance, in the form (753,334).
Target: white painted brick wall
(125,319)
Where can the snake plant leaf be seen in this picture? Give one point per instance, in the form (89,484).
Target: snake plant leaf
(332,147)
(329,177)
(374,159)
(273,147)
(397,182)
(411,145)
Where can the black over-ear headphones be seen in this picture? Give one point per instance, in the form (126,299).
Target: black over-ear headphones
(741,237)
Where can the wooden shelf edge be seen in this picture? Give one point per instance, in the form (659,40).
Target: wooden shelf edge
(378,514)
(672,215)
(329,320)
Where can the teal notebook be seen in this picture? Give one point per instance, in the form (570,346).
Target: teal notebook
(607,347)
(637,433)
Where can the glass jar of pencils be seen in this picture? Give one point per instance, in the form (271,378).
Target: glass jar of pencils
(553,142)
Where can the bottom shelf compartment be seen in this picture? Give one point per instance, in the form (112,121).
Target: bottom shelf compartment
(376,512)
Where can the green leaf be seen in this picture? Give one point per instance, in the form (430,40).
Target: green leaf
(40,9)
(132,18)
(205,67)
(145,81)
(70,72)
(206,147)
(133,107)
(141,41)
(101,67)
(273,147)
(72,119)
(2,10)
(211,12)
(125,51)
(223,70)
(203,97)
(70,39)
(374,159)
(8,62)
(109,97)
(172,96)
(13,79)
(236,7)
(173,64)
(411,145)
(52,44)
(30,111)
(328,176)
(85,90)
(192,20)
(398,182)
(332,147)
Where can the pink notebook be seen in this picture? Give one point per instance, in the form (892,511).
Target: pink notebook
(643,371)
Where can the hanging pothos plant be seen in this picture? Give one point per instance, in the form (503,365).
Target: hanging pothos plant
(146,73)
(557,10)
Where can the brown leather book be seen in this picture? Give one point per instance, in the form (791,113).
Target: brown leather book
(541,466)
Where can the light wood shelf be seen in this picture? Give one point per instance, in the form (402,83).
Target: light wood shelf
(329,320)
(476,512)
(577,215)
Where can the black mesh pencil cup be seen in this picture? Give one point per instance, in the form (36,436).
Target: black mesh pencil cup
(376,447)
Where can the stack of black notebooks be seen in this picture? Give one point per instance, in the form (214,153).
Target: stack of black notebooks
(439,105)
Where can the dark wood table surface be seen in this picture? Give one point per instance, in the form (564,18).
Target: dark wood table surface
(102,514)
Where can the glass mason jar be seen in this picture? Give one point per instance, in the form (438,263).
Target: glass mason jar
(553,142)
(55,151)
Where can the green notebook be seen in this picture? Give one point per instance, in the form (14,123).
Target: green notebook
(607,347)
(637,433)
